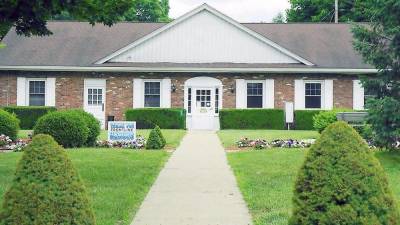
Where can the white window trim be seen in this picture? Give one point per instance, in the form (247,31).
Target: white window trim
(263,94)
(322,82)
(161,92)
(27,90)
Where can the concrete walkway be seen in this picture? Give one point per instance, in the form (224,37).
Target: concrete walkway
(196,187)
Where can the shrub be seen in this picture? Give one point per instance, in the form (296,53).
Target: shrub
(303,119)
(46,188)
(251,119)
(324,119)
(92,124)
(163,141)
(28,115)
(164,118)
(9,124)
(68,129)
(154,141)
(341,182)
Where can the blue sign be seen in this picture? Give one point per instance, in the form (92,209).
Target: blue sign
(121,131)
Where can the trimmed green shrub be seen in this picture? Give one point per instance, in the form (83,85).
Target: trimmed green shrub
(46,188)
(163,141)
(9,124)
(341,182)
(92,124)
(67,128)
(303,119)
(251,119)
(324,119)
(150,117)
(28,115)
(154,141)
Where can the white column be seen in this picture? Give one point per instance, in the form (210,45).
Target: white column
(299,94)
(51,91)
(166,93)
(358,95)
(241,94)
(138,94)
(21,91)
(269,94)
(328,94)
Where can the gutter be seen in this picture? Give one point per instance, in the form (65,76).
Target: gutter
(188,70)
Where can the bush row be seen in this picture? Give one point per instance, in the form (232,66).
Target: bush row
(251,119)
(28,115)
(169,118)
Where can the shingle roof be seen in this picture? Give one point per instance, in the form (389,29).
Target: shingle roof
(80,44)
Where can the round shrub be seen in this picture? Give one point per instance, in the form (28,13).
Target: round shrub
(163,141)
(67,128)
(92,124)
(341,182)
(9,124)
(46,188)
(154,141)
(324,119)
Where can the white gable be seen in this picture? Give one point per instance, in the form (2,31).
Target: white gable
(204,37)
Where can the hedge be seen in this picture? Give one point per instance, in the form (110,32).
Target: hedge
(28,115)
(9,124)
(150,117)
(251,119)
(303,119)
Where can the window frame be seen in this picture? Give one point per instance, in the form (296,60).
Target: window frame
(322,93)
(144,92)
(263,92)
(27,90)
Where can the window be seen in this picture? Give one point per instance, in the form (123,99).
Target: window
(216,100)
(37,93)
(313,95)
(152,94)
(254,95)
(189,100)
(95,96)
(203,98)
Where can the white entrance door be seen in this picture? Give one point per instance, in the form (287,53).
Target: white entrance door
(94,100)
(203,114)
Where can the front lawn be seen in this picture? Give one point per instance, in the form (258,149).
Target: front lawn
(266,179)
(230,137)
(173,137)
(117,180)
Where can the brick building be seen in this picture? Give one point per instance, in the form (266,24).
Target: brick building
(203,61)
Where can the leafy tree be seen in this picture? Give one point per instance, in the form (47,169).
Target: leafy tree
(341,182)
(323,10)
(280,18)
(379,44)
(46,188)
(147,11)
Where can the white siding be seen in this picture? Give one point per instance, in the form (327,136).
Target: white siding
(328,94)
(299,94)
(138,93)
(21,91)
(204,38)
(269,94)
(240,94)
(166,93)
(358,95)
(51,91)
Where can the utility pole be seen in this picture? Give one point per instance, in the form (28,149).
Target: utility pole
(336,11)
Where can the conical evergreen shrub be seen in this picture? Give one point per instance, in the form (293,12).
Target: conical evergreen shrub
(163,141)
(341,182)
(154,141)
(46,189)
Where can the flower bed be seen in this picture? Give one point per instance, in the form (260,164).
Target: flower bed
(263,144)
(6,144)
(139,143)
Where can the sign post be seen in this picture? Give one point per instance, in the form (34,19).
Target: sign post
(121,131)
(289,114)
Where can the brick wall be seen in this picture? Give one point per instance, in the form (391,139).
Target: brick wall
(119,93)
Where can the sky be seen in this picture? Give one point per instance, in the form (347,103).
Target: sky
(240,10)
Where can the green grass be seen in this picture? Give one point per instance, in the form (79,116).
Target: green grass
(173,137)
(266,180)
(117,180)
(230,137)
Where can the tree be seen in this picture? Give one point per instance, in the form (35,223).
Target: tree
(29,16)
(379,45)
(323,10)
(279,18)
(148,11)
(341,182)
(46,188)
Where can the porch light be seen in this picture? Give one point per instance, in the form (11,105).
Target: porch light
(232,88)
(173,87)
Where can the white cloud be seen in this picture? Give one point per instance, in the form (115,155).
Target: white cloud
(240,10)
